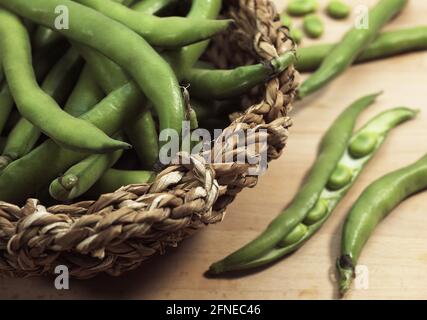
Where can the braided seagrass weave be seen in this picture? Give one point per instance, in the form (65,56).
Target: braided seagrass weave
(120,230)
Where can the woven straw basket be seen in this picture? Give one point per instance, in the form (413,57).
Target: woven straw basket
(120,230)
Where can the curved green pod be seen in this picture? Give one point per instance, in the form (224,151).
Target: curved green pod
(374,204)
(379,125)
(351,45)
(113,179)
(333,145)
(388,44)
(161,32)
(222,84)
(34,104)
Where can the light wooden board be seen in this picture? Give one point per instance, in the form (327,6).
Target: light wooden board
(396,256)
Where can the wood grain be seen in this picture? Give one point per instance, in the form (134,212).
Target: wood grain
(396,256)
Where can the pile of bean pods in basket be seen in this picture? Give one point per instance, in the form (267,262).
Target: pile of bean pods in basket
(343,153)
(121,70)
(118,57)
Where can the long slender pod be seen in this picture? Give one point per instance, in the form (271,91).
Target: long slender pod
(109,115)
(332,147)
(34,104)
(362,147)
(45,37)
(85,94)
(57,84)
(152,73)
(82,176)
(220,84)
(161,32)
(389,43)
(374,204)
(352,44)
(113,179)
(152,6)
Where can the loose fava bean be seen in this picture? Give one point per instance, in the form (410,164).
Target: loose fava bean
(313,26)
(162,32)
(296,34)
(363,144)
(352,44)
(87,26)
(333,145)
(338,9)
(34,104)
(318,212)
(375,203)
(341,176)
(316,217)
(294,236)
(387,44)
(286,20)
(301,7)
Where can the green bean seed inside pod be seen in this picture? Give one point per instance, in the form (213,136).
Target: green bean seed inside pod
(301,7)
(294,236)
(340,177)
(316,214)
(313,26)
(338,9)
(363,144)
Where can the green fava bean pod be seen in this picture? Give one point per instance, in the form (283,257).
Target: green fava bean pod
(185,58)
(374,204)
(143,135)
(139,59)
(301,7)
(42,64)
(161,32)
(6,104)
(338,9)
(352,44)
(82,176)
(152,6)
(222,84)
(35,105)
(332,146)
(85,94)
(387,44)
(328,199)
(109,115)
(45,37)
(113,179)
(57,84)
(313,26)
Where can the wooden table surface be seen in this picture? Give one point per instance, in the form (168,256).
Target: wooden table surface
(396,255)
